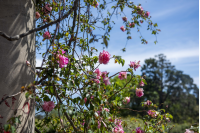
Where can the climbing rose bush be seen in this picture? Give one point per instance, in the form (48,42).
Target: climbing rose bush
(98,102)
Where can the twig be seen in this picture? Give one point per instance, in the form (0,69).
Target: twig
(9,97)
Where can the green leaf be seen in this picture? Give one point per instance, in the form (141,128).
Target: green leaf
(105,41)
(91,40)
(70,84)
(6,127)
(13,129)
(51,89)
(27,94)
(46,98)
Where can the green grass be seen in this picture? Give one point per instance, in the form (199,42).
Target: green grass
(134,122)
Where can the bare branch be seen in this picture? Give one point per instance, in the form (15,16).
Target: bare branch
(38,131)
(9,97)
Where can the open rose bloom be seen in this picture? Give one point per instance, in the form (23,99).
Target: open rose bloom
(104,57)
(48,106)
(122,75)
(46,35)
(62,59)
(139,92)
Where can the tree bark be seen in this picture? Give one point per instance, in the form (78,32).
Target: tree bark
(16,17)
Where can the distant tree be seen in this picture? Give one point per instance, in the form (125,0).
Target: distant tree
(168,86)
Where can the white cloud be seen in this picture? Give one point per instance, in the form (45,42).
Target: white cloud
(38,62)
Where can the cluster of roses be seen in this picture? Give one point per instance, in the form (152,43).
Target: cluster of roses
(140,12)
(46,10)
(118,127)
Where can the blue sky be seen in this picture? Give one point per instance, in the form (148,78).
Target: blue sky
(178,39)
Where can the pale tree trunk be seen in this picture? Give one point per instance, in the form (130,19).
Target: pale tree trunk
(16,17)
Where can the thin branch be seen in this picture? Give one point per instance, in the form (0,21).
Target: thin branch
(38,131)
(9,97)
(17,37)
(67,116)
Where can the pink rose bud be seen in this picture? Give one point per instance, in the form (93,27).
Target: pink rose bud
(46,35)
(124,19)
(141,21)
(147,14)
(85,99)
(44,20)
(131,25)
(127,99)
(37,15)
(107,110)
(122,28)
(28,63)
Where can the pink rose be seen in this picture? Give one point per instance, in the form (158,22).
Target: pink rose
(104,74)
(48,106)
(98,72)
(85,99)
(189,131)
(141,83)
(63,61)
(124,19)
(106,81)
(139,92)
(97,4)
(140,10)
(147,14)
(132,24)
(107,110)
(99,124)
(127,99)
(139,130)
(47,9)
(134,64)
(147,102)
(46,35)
(44,20)
(28,63)
(122,75)
(37,15)
(104,57)
(152,113)
(122,28)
